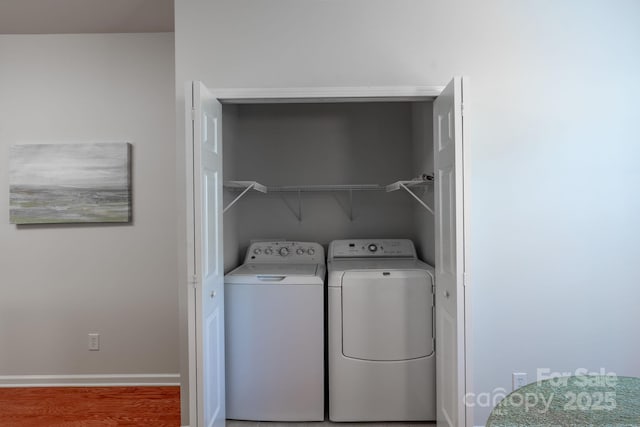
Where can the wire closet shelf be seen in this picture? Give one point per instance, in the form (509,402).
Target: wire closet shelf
(245,186)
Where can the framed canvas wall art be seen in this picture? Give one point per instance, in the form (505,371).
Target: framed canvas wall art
(70,183)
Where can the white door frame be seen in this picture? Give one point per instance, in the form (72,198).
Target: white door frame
(326,94)
(373,94)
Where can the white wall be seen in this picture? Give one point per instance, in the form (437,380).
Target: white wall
(60,282)
(553,146)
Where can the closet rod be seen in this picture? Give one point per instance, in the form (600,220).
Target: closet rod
(246,186)
(329,187)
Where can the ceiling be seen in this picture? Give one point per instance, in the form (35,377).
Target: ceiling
(85,16)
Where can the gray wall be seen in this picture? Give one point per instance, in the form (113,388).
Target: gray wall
(232,252)
(58,283)
(311,144)
(422,145)
(553,147)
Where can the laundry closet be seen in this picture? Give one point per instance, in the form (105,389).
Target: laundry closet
(320,165)
(326,166)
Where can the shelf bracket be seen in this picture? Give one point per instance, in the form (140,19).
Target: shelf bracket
(351,205)
(405,186)
(290,203)
(250,185)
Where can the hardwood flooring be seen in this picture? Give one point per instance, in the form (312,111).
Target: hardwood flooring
(116,406)
(90,406)
(234,423)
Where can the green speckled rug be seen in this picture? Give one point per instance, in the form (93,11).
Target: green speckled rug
(572,401)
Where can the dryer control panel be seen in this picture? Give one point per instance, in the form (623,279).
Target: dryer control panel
(285,252)
(369,248)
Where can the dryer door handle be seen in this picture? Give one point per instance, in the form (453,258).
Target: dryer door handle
(270,278)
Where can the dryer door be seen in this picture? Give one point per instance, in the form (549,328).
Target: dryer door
(387,314)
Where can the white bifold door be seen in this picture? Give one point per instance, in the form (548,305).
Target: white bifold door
(204,256)
(448,128)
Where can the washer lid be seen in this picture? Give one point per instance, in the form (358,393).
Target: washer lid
(286,269)
(284,274)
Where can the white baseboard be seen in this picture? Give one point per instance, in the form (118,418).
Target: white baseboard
(98,380)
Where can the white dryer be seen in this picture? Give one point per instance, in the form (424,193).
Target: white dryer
(274,314)
(381,347)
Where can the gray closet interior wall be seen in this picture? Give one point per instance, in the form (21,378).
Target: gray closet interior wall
(422,134)
(232,256)
(327,143)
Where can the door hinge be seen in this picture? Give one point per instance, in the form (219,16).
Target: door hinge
(433,296)
(433,326)
(193,114)
(462,110)
(193,281)
(465,279)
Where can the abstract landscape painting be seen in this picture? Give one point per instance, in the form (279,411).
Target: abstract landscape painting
(69,183)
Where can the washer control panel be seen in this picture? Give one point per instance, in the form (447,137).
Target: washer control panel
(367,248)
(285,252)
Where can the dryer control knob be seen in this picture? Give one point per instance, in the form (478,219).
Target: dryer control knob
(373,247)
(257,251)
(284,251)
(268,251)
(300,251)
(311,251)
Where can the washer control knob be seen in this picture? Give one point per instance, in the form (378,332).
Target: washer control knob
(311,251)
(284,251)
(300,251)
(257,251)
(373,247)
(268,251)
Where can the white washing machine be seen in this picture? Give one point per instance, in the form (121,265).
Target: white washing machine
(381,348)
(274,314)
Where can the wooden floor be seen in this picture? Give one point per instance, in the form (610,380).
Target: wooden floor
(90,406)
(234,423)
